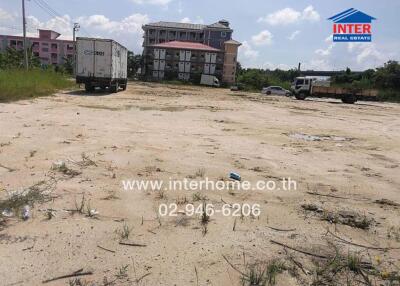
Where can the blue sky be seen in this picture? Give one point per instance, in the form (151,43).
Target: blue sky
(274,33)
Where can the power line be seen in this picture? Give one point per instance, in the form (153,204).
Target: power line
(40,5)
(53,13)
(49,8)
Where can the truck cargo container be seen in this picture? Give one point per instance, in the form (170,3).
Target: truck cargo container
(101,63)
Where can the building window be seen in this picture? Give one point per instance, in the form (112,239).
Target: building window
(223,34)
(45,50)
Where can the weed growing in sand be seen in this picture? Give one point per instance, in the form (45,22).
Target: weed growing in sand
(79,282)
(37,193)
(124,232)
(122,272)
(79,207)
(181,200)
(204,218)
(198,197)
(200,173)
(161,195)
(259,273)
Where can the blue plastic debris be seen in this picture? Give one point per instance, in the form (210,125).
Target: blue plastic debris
(235,176)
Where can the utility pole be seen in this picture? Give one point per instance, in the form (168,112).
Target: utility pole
(75,29)
(24,29)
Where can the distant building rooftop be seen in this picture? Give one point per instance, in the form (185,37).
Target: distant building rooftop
(222,24)
(185,45)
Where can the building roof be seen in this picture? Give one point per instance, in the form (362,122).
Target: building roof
(177,25)
(185,46)
(352,16)
(233,42)
(219,25)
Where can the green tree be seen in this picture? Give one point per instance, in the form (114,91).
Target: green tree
(68,65)
(13,58)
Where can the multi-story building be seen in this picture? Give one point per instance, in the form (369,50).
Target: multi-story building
(47,47)
(184,51)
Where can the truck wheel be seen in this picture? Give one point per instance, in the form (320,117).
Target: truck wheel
(300,96)
(89,87)
(349,98)
(114,88)
(268,92)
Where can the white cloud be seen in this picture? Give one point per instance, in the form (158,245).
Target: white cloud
(262,38)
(247,51)
(366,52)
(310,14)
(130,24)
(62,25)
(288,16)
(152,2)
(185,20)
(282,17)
(271,66)
(325,52)
(329,39)
(4,15)
(198,20)
(317,64)
(293,35)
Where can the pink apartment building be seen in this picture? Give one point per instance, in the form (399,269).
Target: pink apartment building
(47,46)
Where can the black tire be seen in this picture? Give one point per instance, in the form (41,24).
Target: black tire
(124,86)
(349,98)
(89,87)
(300,96)
(268,92)
(114,88)
(288,94)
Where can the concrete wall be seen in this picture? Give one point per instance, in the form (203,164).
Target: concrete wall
(230,62)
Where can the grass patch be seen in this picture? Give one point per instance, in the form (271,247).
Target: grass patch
(37,193)
(20,84)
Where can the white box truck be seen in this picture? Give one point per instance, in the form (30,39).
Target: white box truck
(101,63)
(209,80)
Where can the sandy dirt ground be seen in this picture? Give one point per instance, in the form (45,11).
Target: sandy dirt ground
(344,158)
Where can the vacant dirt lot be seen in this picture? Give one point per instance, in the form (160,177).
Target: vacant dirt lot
(344,158)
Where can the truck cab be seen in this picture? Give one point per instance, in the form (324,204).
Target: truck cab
(301,87)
